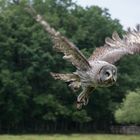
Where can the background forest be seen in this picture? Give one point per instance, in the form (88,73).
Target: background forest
(30,99)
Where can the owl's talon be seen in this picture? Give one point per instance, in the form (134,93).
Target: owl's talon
(79,105)
(85,101)
(82,101)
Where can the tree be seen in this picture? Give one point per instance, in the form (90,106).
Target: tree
(129,111)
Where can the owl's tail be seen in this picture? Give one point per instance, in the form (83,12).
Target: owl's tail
(73,80)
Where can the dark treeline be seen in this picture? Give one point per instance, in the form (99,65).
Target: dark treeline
(30,99)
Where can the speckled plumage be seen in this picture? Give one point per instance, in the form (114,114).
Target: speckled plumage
(98,70)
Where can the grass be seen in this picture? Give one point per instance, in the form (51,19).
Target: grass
(70,137)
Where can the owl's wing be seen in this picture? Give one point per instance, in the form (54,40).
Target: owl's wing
(115,47)
(62,44)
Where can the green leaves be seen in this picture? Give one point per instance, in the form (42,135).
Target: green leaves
(129,112)
(81,116)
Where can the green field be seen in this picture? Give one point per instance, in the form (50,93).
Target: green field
(70,137)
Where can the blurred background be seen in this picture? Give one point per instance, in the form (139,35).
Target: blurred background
(31,101)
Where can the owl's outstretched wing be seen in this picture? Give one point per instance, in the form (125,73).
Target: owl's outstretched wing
(62,44)
(115,47)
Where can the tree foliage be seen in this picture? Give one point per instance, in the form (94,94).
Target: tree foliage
(129,111)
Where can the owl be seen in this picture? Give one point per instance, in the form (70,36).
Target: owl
(98,70)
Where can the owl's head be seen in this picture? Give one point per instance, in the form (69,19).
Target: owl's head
(107,75)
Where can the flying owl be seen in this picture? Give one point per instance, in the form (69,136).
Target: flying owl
(97,71)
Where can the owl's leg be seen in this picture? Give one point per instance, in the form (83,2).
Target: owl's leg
(86,97)
(83,98)
(80,99)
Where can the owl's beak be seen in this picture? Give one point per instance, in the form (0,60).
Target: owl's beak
(114,79)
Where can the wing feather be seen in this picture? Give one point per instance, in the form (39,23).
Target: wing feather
(115,47)
(62,44)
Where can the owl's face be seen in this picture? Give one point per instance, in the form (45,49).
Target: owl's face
(107,75)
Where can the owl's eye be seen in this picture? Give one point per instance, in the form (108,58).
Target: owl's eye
(107,73)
